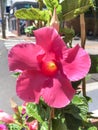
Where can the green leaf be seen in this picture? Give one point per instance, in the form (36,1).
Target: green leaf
(68,34)
(14,127)
(57,124)
(78,108)
(44,126)
(73,8)
(30,29)
(16,74)
(72,123)
(50,4)
(92,128)
(34,111)
(32,14)
(77,100)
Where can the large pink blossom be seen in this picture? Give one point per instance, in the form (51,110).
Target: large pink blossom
(47,68)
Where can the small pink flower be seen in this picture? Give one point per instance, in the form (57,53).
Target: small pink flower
(47,68)
(33,125)
(6,117)
(3,127)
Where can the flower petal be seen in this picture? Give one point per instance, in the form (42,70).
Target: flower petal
(24,56)
(6,117)
(76,64)
(29,85)
(50,40)
(58,92)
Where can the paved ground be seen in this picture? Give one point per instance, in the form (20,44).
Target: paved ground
(7,82)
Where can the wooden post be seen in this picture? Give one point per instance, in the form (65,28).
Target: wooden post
(3,20)
(83,39)
(17,27)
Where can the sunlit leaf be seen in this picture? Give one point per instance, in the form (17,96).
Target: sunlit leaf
(32,14)
(51,4)
(14,127)
(33,110)
(73,8)
(44,126)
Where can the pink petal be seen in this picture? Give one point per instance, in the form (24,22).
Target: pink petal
(76,63)
(24,56)
(3,127)
(50,40)
(33,125)
(29,85)
(58,92)
(6,117)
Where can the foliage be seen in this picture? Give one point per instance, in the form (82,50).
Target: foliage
(73,117)
(30,29)
(50,4)
(66,9)
(73,8)
(67,33)
(94,65)
(32,14)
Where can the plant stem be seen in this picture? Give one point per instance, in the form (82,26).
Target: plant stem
(50,118)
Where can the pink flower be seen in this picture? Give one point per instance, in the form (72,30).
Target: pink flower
(33,125)
(3,127)
(47,68)
(4,117)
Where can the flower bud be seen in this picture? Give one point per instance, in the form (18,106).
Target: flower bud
(54,21)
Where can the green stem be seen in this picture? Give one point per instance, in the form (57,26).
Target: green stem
(50,119)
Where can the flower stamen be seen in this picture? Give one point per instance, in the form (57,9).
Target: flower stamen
(49,68)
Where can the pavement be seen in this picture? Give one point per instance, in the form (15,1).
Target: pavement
(91,85)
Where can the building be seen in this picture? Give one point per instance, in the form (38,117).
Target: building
(17,25)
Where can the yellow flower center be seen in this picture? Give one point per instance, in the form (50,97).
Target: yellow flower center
(49,68)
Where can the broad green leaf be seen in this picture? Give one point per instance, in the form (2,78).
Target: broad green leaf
(51,4)
(78,108)
(32,14)
(73,8)
(34,111)
(57,124)
(72,123)
(82,106)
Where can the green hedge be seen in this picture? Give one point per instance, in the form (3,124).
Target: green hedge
(94,64)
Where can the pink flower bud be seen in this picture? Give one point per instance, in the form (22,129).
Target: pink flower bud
(54,21)
(5,117)
(33,125)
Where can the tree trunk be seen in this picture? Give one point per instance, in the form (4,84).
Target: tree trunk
(3,19)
